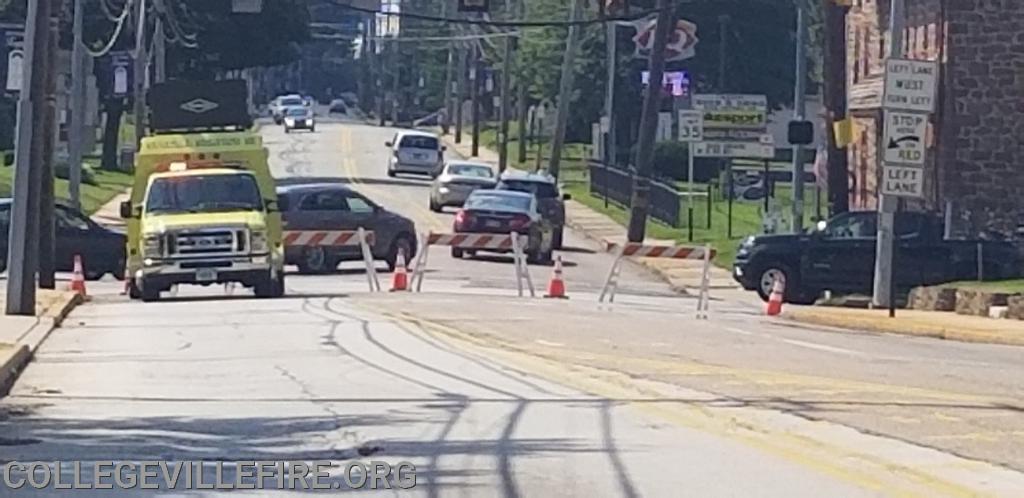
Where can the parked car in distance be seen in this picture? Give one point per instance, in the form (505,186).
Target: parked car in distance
(417,152)
(458,179)
(102,250)
(550,200)
(503,211)
(281,104)
(338,106)
(299,118)
(333,206)
(839,255)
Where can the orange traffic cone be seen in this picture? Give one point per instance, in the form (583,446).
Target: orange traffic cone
(400,279)
(78,278)
(774,307)
(556,287)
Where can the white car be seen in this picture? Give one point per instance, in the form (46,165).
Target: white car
(417,152)
(280,104)
(299,118)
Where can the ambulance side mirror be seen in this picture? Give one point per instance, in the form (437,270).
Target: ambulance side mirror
(126,209)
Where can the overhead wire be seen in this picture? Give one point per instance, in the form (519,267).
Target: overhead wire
(121,20)
(488,22)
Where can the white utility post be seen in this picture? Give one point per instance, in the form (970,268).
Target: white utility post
(76,126)
(882,294)
(140,74)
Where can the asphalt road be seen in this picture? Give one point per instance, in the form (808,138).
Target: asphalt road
(491,395)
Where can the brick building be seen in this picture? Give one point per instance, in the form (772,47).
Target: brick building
(976,162)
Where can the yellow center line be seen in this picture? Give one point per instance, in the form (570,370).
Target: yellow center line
(348,165)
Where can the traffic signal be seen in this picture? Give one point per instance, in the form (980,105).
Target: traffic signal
(801,133)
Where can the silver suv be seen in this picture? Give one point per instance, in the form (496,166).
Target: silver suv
(416,152)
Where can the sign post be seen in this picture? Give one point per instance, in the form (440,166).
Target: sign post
(691,131)
(909,99)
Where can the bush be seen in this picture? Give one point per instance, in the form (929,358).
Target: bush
(62,171)
(670,159)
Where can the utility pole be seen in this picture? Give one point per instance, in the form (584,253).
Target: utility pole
(521,93)
(448,75)
(140,73)
(76,126)
(159,47)
(609,99)
(474,96)
(834,90)
(23,252)
(882,292)
(565,91)
(447,91)
(506,77)
(649,124)
(395,80)
(460,97)
(799,112)
(47,234)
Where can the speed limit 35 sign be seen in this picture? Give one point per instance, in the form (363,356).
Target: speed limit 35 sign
(691,126)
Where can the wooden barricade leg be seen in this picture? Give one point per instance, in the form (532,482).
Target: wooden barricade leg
(371,271)
(612,282)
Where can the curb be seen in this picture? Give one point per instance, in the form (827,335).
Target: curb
(23,352)
(904,329)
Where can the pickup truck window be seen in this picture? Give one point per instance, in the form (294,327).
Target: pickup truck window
(852,226)
(204,193)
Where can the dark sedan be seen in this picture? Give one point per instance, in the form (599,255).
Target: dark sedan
(335,207)
(494,211)
(102,249)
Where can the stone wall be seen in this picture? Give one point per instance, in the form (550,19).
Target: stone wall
(982,171)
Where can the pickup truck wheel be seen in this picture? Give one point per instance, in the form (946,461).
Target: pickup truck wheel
(767,279)
(556,242)
(457,253)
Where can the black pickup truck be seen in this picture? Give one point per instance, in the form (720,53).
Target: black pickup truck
(839,255)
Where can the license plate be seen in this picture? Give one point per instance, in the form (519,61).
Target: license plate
(419,156)
(206,274)
(492,224)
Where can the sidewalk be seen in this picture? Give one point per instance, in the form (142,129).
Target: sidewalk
(935,324)
(681,274)
(21,335)
(109,215)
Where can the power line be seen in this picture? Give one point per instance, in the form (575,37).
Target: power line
(109,8)
(501,34)
(120,20)
(488,22)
